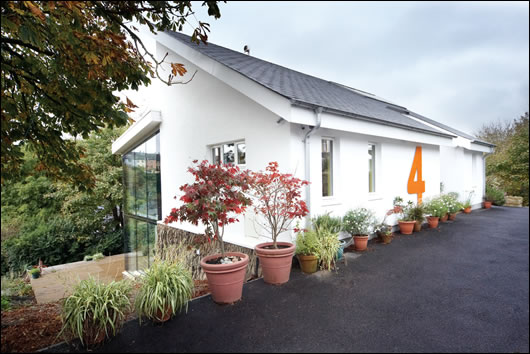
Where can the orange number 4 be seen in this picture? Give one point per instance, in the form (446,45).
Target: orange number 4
(416,186)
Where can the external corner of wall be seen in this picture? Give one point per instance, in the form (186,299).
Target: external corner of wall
(140,130)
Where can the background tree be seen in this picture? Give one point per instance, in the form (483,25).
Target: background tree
(508,167)
(63,63)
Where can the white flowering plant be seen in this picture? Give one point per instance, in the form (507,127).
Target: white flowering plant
(436,207)
(359,222)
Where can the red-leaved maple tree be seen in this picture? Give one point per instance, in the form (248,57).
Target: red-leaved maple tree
(215,199)
(279,199)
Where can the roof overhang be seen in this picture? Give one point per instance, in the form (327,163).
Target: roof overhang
(137,132)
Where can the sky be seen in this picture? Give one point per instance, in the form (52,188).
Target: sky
(464,64)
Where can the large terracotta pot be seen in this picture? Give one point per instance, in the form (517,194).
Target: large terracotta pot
(309,264)
(433,221)
(275,263)
(487,204)
(417,226)
(226,280)
(406,227)
(444,218)
(467,210)
(361,242)
(452,216)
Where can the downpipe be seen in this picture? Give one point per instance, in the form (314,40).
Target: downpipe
(307,157)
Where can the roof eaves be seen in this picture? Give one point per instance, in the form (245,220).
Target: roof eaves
(303,104)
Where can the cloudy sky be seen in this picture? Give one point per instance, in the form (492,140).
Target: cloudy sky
(463,64)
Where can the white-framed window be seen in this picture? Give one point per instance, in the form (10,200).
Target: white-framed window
(234,153)
(327,167)
(371,168)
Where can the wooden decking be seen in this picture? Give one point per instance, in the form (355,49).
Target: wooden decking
(57,282)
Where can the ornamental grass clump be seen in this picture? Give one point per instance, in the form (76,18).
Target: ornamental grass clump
(95,310)
(329,247)
(165,289)
(359,222)
(327,222)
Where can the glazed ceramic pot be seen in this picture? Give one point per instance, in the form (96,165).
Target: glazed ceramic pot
(275,263)
(308,264)
(226,280)
(433,221)
(406,227)
(361,242)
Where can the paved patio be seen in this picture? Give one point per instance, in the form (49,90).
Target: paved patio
(461,288)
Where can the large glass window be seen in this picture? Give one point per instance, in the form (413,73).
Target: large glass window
(327,167)
(142,202)
(371,168)
(230,153)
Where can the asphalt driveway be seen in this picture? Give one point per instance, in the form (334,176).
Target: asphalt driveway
(460,288)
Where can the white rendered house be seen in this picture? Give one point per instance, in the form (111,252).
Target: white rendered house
(355,148)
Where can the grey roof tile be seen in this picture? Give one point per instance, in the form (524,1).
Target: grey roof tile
(312,90)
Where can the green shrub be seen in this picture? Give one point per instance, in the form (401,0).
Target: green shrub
(6,303)
(495,195)
(95,309)
(329,247)
(416,212)
(98,256)
(15,286)
(327,222)
(164,286)
(307,243)
(360,221)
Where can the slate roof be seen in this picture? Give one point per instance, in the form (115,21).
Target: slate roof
(303,89)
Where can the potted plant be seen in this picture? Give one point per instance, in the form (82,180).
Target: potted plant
(436,209)
(278,199)
(385,233)
(166,288)
(454,206)
(329,246)
(406,220)
(493,196)
(95,310)
(307,250)
(466,205)
(215,199)
(34,272)
(417,213)
(359,223)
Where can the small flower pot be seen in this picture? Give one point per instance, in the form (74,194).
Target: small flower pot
(452,216)
(406,227)
(361,242)
(433,221)
(487,204)
(387,239)
(275,263)
(308,264)
(225,281)
(444,218)
(417,226)
(467,210)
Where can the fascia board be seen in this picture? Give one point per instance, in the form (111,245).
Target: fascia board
(137,132)
(482,148)
(267,98)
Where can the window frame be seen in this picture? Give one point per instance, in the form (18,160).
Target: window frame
(373,166)
(220,146)
(332,186)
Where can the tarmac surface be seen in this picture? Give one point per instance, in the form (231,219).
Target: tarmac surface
(460,288)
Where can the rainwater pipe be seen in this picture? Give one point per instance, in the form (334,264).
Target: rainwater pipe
(307,157)
(486,154)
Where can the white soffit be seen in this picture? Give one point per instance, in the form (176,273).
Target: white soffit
(137,132)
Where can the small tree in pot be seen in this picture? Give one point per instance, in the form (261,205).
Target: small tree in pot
(359,223)
(215,199)
(279,201)
(406,219)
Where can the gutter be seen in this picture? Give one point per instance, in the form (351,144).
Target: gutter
(307,155)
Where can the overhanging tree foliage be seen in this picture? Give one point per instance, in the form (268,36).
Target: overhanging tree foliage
(63,63)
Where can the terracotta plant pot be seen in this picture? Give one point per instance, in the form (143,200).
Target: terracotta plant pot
(417,226)
(467,210)
(226,280)
(452,216)
(433,221)
(444,218)
(275,263)
(163,317)
(361,242)
(487,204)
(308,264)
(387,238)
(406,227)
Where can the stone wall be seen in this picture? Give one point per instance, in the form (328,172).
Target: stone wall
(512,201)
(192,247)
